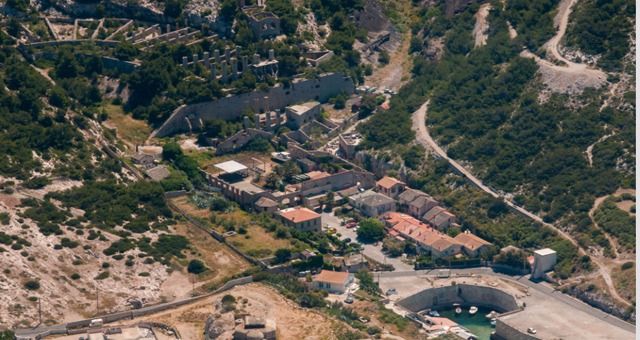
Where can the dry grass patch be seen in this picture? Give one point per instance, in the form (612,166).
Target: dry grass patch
(625,282)
(131,130)
(259,241)
(221,260)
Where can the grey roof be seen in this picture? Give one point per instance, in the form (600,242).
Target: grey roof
(429,216)
(158,173)
(411,194)
(266,202)
(441,218)
(140,156)
(348,191)
(421,201)
(374,199)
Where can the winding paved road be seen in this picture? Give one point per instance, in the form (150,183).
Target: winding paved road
(424,138)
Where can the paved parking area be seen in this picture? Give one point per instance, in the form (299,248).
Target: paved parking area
(372,251)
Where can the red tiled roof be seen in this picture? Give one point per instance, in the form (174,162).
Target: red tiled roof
(332,277)
(298,214)
(471,241)
(388,182)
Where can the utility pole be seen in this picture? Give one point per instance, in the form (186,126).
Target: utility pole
(40,311)
(193,285)
(97,300)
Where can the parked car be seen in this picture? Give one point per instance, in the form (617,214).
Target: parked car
(352,225)
(391,291)
(531,330)
(331,231)
(349,299)
(363,319)
(347,240)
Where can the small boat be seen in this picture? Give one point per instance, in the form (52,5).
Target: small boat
(493,322)
(492,315)
(473,310)
(434,313)
(458,310)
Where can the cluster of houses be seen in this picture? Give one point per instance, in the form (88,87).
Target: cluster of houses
(421,219)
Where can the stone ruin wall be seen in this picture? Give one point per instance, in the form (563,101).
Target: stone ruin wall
(321,89)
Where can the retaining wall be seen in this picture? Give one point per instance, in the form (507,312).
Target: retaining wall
(507,332)
(229,108)
(157,308)
(435,298)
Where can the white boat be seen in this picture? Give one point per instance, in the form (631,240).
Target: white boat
(473,310)
(434,313)
(493,322)
(492,315)
(458,310)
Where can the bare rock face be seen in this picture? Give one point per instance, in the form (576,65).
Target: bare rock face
(602,302)
(371,17)
(433,48)
(453,7)
(140,9)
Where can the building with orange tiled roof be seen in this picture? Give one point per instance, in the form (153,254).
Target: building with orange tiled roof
(426,238)
(390,186)
(472,245)
(441,245)
(300,218)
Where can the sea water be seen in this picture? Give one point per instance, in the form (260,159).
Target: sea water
(478,324)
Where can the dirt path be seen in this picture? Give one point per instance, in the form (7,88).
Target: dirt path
(481,29)
(390,76)
(604,269)
(44,73)
(590,147)
(569,77)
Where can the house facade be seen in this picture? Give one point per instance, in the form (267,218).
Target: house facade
(439,218)
(390,186)
(300,218)
(416,203)
(333,282)
(372,204)
(472,245)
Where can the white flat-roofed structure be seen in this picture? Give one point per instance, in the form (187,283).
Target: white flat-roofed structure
(543,261)
(231,167)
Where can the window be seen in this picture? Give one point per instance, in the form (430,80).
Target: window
(320,284)
(328,285)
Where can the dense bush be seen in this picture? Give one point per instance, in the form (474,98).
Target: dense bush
(32,285)
(617,223)
(602,27)
(196,266)
(371,230)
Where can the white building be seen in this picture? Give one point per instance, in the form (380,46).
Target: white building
(543,261)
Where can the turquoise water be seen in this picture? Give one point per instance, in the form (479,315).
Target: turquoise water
(477,324)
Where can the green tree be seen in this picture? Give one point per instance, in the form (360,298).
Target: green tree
(383,57)
(7,335)
(287,170)
(392,246)
(366,281)
(283,255)
(196,266)
(371,230)
(171,151)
